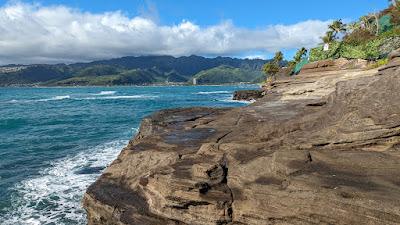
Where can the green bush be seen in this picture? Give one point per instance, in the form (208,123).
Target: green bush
(395,32)
(318,53)
(379,63)
(358,37)
(369,50)
(353,52)
(364,44)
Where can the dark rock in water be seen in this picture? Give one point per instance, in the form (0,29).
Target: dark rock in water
(248,95)
(319,148)
(90,170)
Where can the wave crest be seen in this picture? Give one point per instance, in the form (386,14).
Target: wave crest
(106,93)
(213,92)
(60,187)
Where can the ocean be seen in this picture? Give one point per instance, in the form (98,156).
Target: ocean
(54,142)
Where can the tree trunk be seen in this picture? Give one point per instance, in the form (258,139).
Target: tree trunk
(377,23)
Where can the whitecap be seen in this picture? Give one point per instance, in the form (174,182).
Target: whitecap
(127,97)
(120,97)
(55,196)
(237,101)
(213,92)
(56,98)
(106,93)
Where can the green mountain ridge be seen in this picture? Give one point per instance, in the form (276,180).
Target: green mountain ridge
(228,74)
(142,70)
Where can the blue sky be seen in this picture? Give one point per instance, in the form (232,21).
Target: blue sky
(177,27)
(247,13)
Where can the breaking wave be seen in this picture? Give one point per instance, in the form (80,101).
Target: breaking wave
(54,197)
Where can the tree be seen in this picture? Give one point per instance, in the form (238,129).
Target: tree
(394,2)
(353,26)
(337,27)
(376,17)
(278,57)
(272,68)
(371,23)
(328,38)
(300,54)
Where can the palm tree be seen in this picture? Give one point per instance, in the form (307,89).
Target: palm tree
(353,26)
(300,54)
(366,23)
(270,69)
(376,17)
(337,27)
(278,57)
(273,67)
(371,23)
(328,38)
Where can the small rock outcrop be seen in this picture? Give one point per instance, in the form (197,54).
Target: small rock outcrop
(248,95)
(334,65)
(319,148)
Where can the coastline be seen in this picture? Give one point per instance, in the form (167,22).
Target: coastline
(265,161)
(150,85)
(89,118)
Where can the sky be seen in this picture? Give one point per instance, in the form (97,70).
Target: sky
(61,31)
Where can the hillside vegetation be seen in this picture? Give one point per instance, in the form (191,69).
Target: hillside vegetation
(142,70)
(372,37)
(228,74)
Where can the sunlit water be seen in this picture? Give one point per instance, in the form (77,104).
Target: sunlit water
(54,142)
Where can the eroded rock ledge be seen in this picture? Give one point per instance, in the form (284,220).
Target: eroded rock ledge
(248,95)
(319,148)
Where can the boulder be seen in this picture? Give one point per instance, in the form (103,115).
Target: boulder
(334,64)
(248,95)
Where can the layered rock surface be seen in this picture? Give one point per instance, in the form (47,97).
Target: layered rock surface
(248,95)
(319,148)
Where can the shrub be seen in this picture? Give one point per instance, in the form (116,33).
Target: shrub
(395,32)
(318,53)
(370,50)
(270,68)
(395,15)
(358,37)
(379,63)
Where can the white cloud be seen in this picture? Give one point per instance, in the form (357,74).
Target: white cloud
(37,34)
(255,57)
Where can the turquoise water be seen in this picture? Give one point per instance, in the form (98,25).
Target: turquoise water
(54,142)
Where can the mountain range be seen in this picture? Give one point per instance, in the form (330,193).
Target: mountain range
(140,70)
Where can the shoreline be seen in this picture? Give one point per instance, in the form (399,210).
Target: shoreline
(155,85)
(266,160)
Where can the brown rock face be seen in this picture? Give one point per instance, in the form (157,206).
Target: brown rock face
(248,95)
(319,148)
(334,65)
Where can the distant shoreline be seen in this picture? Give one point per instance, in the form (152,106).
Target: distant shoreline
(149,85)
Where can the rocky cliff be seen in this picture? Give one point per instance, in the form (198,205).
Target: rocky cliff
(322,147)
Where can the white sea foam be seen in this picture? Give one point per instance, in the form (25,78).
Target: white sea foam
(129,97)
(106,93)
(55,196)
(61,97)
(213,92)
(55,98)
(120,97)
(237,101)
